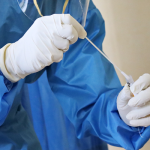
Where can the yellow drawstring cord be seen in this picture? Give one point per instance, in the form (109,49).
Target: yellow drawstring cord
(37,7)
(65,5)
(39,11)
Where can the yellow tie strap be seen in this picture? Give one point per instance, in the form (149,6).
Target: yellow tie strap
(65,5)
(39,11)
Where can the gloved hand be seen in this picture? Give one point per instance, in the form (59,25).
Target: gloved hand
(44,43)
(135,110)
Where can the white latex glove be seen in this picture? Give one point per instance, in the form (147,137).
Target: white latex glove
(44,43)
(122,103)
(141,101)
(135,110)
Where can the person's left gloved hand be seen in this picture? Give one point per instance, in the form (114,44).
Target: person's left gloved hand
(44,43)
(135,110)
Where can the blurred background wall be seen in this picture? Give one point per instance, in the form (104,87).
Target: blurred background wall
(127,40)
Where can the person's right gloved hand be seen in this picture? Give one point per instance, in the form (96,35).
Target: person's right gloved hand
(44,43)
(135,110)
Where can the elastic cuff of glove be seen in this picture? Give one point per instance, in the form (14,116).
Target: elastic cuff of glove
(3,67)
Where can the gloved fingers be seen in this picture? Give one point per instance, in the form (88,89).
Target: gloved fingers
(124,96)
(144,122)
(61,43)
(139,112)
(43,46)
(68,32)
(140,99)
(68,19)
(56,54)
(141,84)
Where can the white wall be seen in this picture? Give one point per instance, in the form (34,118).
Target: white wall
(127,40)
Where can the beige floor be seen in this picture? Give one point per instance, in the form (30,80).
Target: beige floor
(146,147)
(114,148)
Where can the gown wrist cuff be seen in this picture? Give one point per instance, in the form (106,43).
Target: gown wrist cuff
(3,66)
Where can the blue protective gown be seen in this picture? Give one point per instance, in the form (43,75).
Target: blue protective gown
(69,105)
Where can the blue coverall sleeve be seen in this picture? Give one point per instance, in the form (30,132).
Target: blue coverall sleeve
(5,101)
(9,92)
(87,86)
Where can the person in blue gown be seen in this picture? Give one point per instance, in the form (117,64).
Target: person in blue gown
(70,105)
